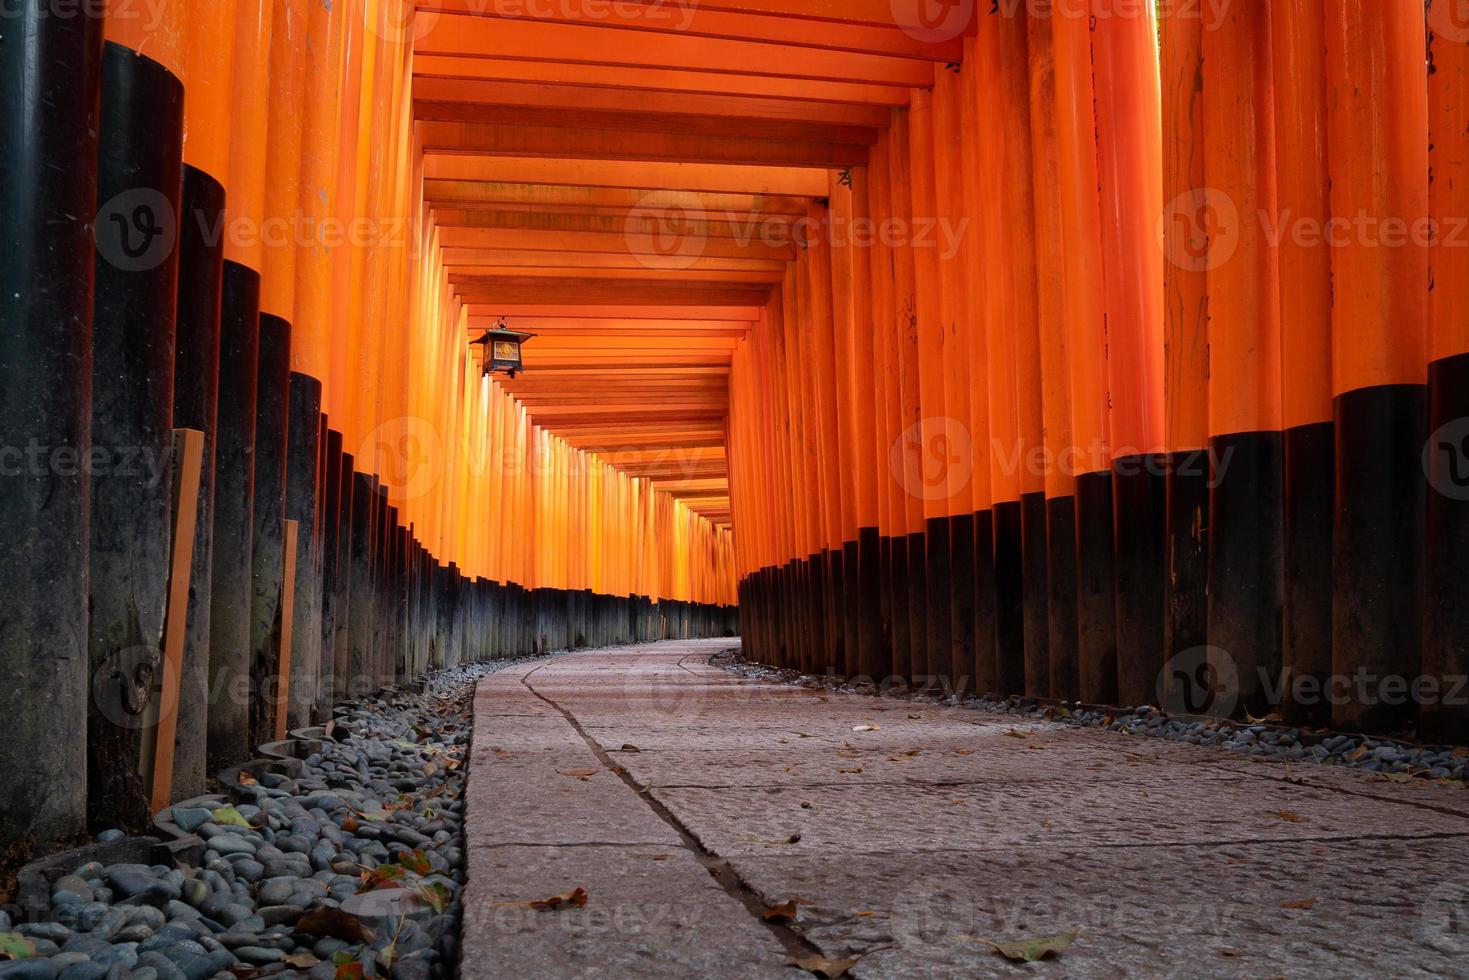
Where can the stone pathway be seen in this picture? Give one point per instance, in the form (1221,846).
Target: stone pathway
(687,802)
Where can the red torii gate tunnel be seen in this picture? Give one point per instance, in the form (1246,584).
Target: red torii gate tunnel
(1083,351)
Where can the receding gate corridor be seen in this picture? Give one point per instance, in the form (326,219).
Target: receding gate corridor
(382,379)
(688,802)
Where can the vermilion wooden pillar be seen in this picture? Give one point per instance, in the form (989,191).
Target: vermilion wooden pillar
(1091,459)
(1377,112)
(1187,221)
(1246,557)
(1299,54)
(1446,621)
(1055,368)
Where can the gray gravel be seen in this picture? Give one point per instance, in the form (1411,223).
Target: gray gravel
(369,837)
(1268,741)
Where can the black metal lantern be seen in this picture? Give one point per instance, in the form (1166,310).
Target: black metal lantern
(502,349)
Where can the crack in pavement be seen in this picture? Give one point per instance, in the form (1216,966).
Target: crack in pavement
(796,944)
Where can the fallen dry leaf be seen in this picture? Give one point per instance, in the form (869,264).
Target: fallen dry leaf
(1289,816)
(963,751)
(784,912)
(629,747)
(585,775)
(302,961)
(820,966)
(1012,733)
(574,899)
(1030,950)
(246,779)
(1300,903)
(1358,754)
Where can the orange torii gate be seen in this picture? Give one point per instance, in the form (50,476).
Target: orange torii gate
(1063,351)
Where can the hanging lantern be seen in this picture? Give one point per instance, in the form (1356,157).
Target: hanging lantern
(502,349)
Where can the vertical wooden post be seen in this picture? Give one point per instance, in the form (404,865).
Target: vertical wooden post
(188,454)
(1377,115)
(1446,623)
(1081,239)
(1055,367)
(288,614)
(1187,223)
(1246,558)
(50,71)
(1129,144)
(1299,54)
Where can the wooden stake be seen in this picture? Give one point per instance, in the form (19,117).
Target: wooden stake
(288,609)
(188,451)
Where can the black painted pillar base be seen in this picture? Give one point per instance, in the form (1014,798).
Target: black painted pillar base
(1445,716)
(1009,599)
(1377,630)
(1061,636)
(918,653)
(1247,565)
(985,656)
(139,178)
(851,607)
(50,71)
(961,603)
(1309,489)
(1186,582)
(938,674)
(1139,502)
(902,635)
(1035,608)
(1096,602)
(302,491)
(271,424)
(196,406)
(233,573)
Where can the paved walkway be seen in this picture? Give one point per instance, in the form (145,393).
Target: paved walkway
(687,802)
